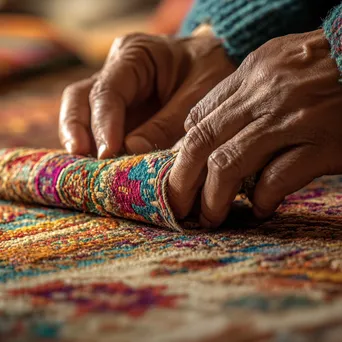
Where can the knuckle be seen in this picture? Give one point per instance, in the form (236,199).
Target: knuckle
(199,138)
(226,160)
(129,41)
(72,90)
(195,116)
(99,90)
(135,37)
(251,59)
(79,88)
(264,75)
(120,42)
(275,43)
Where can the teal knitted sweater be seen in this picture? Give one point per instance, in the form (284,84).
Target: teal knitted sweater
(333,31)
(244,25)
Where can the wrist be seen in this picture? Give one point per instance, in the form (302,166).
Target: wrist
(204,30)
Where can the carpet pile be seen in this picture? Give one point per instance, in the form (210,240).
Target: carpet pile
(111,263)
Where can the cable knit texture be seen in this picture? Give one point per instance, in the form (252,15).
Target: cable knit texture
(333,31)
(244,25)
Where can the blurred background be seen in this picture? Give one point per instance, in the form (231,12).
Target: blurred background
(47,44)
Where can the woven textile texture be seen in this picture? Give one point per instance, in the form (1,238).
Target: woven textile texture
(67,275)
(70,276)
(129,187)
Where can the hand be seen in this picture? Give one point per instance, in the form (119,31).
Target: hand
(279,113)
(139,100)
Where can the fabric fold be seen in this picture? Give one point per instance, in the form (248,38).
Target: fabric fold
(132,187)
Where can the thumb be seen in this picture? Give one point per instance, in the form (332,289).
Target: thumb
(165,128)
(160,132)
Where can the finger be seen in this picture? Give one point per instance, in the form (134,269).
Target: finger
(242,156)
(218,127)
(127,77)
(74,120)
(178,145)
(286,174)
(165,128)
(162,131)
(215,98)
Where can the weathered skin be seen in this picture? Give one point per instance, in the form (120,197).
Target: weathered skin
(139,100)
(280,112)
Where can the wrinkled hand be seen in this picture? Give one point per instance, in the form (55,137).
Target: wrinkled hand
(279,113)
(139,100)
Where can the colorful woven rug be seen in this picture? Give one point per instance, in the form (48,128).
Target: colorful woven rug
(29,44)
(87,275)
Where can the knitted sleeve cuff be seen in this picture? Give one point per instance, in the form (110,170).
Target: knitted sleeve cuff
(244,25)
(333,31)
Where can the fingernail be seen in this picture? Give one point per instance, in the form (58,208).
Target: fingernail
(69,146)
(101,151)
(204,223)
(138,145)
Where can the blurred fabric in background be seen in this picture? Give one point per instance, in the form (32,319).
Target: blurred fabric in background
(36,35)
(46,45)
(29,45)
(78,13)
(169,16)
